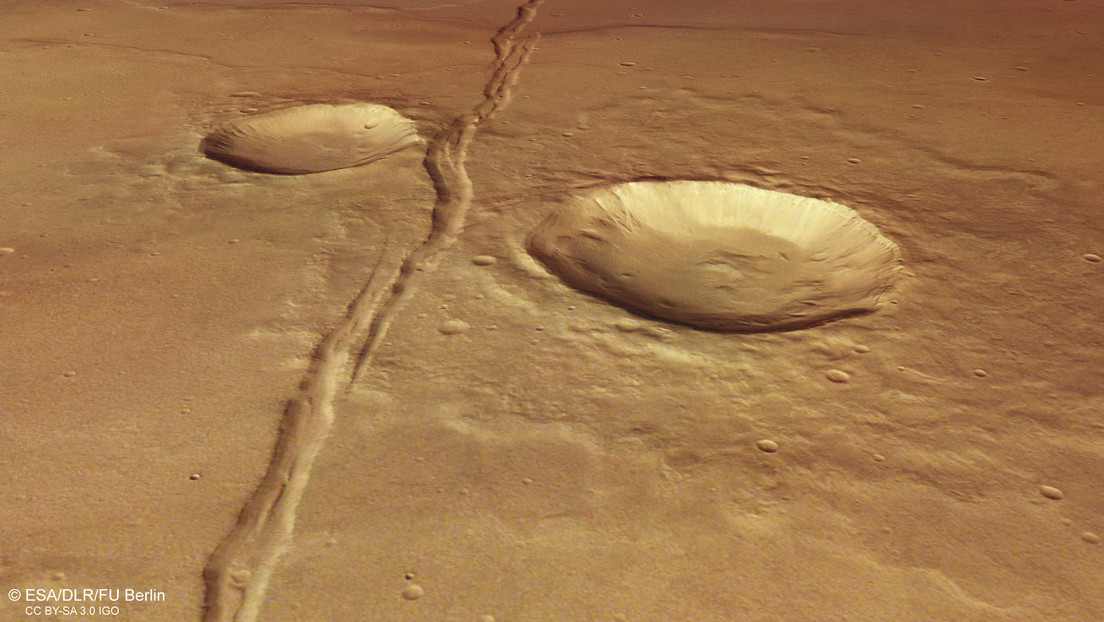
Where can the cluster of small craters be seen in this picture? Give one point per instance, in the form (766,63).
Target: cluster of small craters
(1056,494)
(412,591)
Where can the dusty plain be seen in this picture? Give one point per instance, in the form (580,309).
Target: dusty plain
(515,449)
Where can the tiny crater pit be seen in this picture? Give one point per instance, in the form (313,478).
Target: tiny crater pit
(718,255)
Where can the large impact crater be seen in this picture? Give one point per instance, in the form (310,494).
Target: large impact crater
(311,138)
(719,255)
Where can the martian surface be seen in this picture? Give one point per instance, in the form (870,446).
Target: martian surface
(552,310)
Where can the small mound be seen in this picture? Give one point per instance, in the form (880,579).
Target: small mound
(718,255)
(311,138)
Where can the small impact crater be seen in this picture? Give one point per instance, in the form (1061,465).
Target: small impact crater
(719,255)
(311,138)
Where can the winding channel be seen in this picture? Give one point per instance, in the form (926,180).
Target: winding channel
(238,572)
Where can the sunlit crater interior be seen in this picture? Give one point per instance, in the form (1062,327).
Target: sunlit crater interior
(311,138)
(718,255)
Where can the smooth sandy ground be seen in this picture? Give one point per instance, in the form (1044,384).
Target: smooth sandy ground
(562,459)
